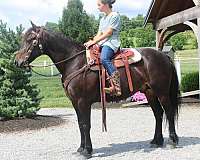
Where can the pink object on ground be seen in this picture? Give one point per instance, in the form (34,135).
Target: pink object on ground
(138,96)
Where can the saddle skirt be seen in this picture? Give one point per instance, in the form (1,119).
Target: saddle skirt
(122,55)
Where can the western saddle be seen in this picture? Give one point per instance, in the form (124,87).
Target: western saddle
(123,58)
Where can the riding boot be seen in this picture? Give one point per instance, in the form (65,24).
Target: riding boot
(115,89)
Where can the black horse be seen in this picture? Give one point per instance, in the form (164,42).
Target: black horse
(154,75)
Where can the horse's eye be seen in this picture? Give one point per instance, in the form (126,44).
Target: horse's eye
(34,42)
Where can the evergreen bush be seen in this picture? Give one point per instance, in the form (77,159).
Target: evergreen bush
(190,82)
(18,97)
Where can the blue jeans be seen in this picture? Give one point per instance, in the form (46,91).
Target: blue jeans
(107,54)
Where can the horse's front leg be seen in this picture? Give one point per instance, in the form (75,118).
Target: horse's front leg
(83,111)
(80,123)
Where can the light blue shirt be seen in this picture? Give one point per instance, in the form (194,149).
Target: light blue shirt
(112,20)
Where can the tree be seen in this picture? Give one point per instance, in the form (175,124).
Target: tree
(52,26)
(126,23)
(75,22)
(191,40)
(18,97)
(178,41)
(138,21)
(138,37)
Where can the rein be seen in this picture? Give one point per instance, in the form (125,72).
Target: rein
(53,64)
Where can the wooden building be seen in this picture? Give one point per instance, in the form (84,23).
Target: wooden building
(173,16)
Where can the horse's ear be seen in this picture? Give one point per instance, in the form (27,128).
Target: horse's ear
(33,25)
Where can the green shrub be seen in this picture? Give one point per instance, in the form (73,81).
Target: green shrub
(18,97)
(190,82)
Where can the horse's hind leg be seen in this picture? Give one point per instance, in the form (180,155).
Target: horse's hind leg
(170,114)
(158,113)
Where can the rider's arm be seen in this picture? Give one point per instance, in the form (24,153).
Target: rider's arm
(103,35)
(97,35)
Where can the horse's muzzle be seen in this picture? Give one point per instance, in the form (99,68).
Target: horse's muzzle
(19,63)
(19,59)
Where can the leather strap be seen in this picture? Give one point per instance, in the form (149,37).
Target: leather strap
(127,68)
(73,75)
(103,97)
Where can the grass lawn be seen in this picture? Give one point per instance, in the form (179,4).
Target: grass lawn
(52,92)
(50,87)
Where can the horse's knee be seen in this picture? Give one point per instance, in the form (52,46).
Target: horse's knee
(86,127)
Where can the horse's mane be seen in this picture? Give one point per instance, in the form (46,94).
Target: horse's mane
(58,37)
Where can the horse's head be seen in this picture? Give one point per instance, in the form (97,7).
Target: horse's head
(31,47)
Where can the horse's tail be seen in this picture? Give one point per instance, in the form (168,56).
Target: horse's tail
(175,93)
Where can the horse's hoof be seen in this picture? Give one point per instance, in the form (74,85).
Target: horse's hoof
(86,154)
(155,143)
(173,138)
(80,149)
(171,144)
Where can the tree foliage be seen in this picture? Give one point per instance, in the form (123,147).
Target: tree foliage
(178,41)
(133,34)
(76,23)
(18,97)
(52,26)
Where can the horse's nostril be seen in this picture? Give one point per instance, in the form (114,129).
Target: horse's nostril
(15,62)
(18,63)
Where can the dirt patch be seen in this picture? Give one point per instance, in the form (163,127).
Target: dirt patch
(22,124)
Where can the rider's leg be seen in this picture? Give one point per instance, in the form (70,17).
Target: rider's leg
(107,54)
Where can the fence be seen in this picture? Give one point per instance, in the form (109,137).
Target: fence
(187,65)
(46,71)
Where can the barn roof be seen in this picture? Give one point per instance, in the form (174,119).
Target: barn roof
(163,8)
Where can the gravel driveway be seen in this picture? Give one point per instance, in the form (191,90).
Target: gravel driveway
(129,133)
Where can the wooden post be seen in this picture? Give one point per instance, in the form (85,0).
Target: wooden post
(198,40)
(51,70)
(196,2)
(45,63)
(157,39)
(178,69)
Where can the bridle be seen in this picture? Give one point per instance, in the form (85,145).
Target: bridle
(37,42)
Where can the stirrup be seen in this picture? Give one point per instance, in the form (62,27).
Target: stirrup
(112,91)
(109,90)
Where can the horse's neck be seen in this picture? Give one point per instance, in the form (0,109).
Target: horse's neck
(59,52)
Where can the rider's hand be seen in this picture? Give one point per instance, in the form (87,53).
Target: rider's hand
(89,43)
